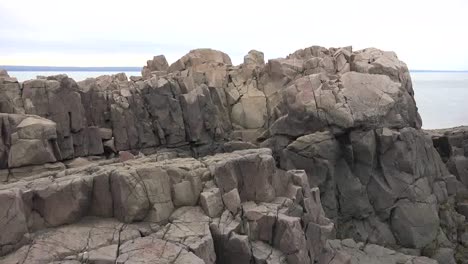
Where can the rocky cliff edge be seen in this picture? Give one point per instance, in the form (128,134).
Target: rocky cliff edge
(329,165)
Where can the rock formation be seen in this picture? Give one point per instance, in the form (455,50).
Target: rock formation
(318,157)
(452,145)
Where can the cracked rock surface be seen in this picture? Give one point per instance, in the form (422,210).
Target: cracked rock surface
(317,157)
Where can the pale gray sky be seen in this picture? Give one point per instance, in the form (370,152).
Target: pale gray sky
(426,34)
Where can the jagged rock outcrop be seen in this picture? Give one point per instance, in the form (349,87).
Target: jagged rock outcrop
(158,65)
(452,145)
(10,94)
(379,184)
(371,253)
(202,99)
(89,206)
(343,157)
(27,140)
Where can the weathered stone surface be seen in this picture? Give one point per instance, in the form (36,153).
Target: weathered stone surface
(129,196)
(156,183)
(13,220)
(58,99)
(78,162)
(72,241)
(30,152)
(290,239)
(248,102)
(211,202)
(354,100)
(205,114)
(153,250)
(358,253)
(232,201)
(157,64)
(250,171)
(452,145)
(341,125)
(63,202)
(102,203)
(370,178)
(34,141)
(104,255)
(445,255)
(105,133)
(415,225)
(264,253)
(198,57)
(183,194)
(190,227)
(10,95)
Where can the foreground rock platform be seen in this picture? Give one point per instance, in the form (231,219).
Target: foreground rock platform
(226,208)
(318,157)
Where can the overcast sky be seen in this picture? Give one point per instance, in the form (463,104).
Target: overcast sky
(426,34)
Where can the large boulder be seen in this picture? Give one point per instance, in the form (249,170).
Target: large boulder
(28,140)
(205,114)
(58,99)
(63,202)
(415,225)
(157,64)
(250,171)
(198,57)
(10,94)
(129,195)
(354,100)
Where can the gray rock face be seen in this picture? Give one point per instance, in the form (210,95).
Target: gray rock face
(415,225)
(202,100)
(13,220)
(27,140)
(328,144)
(250,171)
(353,100)
(58,99)
(157,65)
(200,57)
(376,183)
(152,222)
(452,145)
(348,251)
(10,94)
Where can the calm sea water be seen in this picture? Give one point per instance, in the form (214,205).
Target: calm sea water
(442,97)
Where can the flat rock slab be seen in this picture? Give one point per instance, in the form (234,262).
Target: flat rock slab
(106,240)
